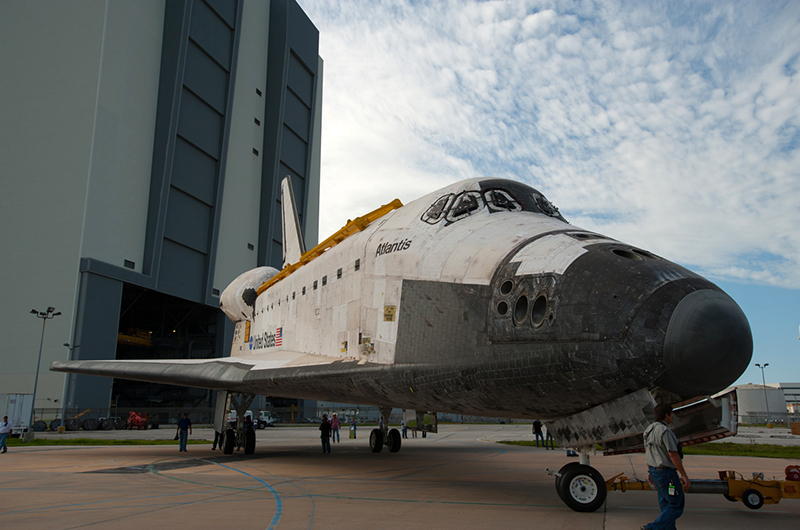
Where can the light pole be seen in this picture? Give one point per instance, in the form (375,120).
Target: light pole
(45,316)
(763,381)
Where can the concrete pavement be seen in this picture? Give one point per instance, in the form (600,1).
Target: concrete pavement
(460,478)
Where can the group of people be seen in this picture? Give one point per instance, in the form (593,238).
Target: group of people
(537,431)
(330,430)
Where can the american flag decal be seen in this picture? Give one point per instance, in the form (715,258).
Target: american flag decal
(279,337)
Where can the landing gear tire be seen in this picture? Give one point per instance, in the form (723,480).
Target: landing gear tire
(582,488)
(395,440)
(563,470)
(249,442)
(376,440)
(753,499)
(228,442)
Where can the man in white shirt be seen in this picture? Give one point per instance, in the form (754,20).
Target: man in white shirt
(5,430)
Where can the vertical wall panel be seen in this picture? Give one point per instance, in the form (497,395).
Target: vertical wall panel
(96,334)
(197,172)
(206,78)
(212,33)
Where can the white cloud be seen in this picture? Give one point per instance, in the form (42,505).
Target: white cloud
(672,126)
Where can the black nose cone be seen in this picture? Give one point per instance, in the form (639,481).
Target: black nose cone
(708,345)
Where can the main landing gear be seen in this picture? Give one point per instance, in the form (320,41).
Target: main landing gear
(580,486)
(383,436)
(237,436)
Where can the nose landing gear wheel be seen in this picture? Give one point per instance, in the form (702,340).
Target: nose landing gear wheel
(582,488)
(563,470)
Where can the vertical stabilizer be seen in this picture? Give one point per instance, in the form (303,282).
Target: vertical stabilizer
(293,245)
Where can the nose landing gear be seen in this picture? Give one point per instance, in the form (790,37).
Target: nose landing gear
(580,486)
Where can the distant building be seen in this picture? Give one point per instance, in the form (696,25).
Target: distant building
(754,400)
(142,146)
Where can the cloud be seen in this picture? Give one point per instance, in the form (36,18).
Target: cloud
(673,126)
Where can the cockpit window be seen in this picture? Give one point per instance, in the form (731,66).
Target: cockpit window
(498,195)
(436,212)
(465,204)
(501,201)
(529,199)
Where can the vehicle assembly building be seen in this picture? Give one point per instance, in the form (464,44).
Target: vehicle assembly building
(142,149)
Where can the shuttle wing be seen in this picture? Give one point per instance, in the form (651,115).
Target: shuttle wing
(290,372)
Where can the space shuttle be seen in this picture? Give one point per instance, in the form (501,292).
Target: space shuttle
(478,299)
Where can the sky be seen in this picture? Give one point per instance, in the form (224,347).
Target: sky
(673,126)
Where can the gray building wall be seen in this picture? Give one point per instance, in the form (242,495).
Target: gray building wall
(130,154)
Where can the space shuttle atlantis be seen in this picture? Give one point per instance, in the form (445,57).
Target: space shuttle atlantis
(479,299)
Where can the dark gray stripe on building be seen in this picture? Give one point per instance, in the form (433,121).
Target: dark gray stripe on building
(292,67)
(198,62)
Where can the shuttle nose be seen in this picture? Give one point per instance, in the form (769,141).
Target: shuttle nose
(708,344)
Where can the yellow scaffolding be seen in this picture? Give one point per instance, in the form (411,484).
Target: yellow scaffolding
(356,225)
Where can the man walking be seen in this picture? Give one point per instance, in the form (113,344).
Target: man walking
(5,430)
(325,434)
(184,430)
(663,456)
(335,428)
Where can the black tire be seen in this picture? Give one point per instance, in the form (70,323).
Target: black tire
(249,442)
(558,479)
(262,424)
(395,440)
(90,424)
(55,424)
(753,499)
(376,440)
(107,424)
(120,424)
(582,488)
(73,424)
(729,497)
(228,440)
(39,426)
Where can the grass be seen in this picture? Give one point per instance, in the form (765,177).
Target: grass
(716,449)
(732,449)
(16,442)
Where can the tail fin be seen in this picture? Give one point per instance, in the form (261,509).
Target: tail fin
(293,244)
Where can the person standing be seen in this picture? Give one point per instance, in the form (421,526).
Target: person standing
(335,429)
(217,440)
(353,427)
(5,430)
(184,430)
(325,434)
(663,456)
(537,430)
(403,427)
(548,438)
